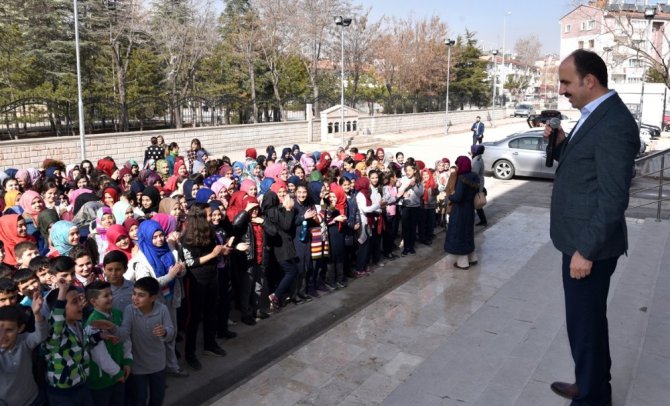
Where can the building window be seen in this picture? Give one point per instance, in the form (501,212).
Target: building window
(635,63)
(567,28)
(591,24)
(591,43)
(330,128)
(580,44)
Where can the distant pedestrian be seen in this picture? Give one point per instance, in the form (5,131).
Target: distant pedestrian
(477,131)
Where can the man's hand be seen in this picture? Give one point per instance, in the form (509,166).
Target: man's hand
(580,267)
(559,138)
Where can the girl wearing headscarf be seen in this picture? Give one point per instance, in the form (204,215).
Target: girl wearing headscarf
(478,168)
(151,197)
(104,219)
(23,177)
(460,239)
(324,163)
(428,207)
(201,253)
(370,204)
(274,171)
(32,204)
(307,164)
(252,171)
(11,198)
(132,225)
(287,156)
(336,218)
(204,195)
(121,211)
(296,152)
(221,189)
(306,217)
(110,196)
(162,169)
(278,213)
(170,206)
(155,259)
(64,236)
(106,165)
(119,240)
(12,231)
(46,218)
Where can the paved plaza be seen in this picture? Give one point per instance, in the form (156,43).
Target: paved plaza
(418,331)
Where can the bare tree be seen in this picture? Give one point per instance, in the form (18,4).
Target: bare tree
(360,46)
(126,31)
(273,41)
(527,49)
(184,32)
(312,32)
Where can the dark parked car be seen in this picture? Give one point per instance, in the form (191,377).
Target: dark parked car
(539,120)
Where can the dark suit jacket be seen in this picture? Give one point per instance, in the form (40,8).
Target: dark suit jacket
(592,183)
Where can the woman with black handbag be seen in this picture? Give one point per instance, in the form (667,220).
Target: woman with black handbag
(478,167)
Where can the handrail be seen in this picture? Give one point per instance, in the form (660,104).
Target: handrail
(661,180)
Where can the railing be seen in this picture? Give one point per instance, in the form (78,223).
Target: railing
(651,167)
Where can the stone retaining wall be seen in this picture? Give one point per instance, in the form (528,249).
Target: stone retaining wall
(217,140)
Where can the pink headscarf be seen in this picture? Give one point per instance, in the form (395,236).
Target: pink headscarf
(167,222)
(222,183)
(273,171)
(246,185)
(306,162)
(26,203)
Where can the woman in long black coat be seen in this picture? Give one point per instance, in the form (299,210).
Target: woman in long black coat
(460,240)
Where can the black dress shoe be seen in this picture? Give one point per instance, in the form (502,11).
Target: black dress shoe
(248,320)
(566,390)
(226,334)
(482,224)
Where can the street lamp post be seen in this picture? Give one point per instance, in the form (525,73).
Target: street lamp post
(449,43)
(493,91)
(504,68)
(80,103)
(342,22)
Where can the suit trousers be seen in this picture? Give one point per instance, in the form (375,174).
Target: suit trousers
(586,321)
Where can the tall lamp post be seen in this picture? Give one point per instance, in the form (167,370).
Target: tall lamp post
(80,102)
(342,22)
(504,68)
(493,91)
(449,43)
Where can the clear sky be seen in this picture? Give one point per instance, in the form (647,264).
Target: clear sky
(485,17)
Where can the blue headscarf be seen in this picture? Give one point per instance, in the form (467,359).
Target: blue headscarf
(294,180)
(160,258)
(203,195)
(238,165)
(314,189)
(209,181)
(265,185)
(59,236)
(188,190)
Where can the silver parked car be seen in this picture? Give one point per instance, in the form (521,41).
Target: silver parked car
(520,154)
(524,110)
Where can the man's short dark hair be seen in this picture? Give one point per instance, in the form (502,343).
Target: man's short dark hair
(24,246)
(154,141)
(52,296)
(588,62)
(6,271)
(13,313)
(8,285)
(115,256)
(79,252)
(24,275)
(61,264)
(148,284)
(95,288)
(38,263)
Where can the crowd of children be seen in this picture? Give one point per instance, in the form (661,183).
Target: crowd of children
(106,267)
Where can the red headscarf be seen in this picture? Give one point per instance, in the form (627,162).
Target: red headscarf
(463,164)
(341,198)
(26,203)
(324,163)
(238,202)
(129,223)
(279,184)
(106,165)
(362,185)
(112,192)
(123,172)
(251,153)
(115,232)
(429,186)
(10,237)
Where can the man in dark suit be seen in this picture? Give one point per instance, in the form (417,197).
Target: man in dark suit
(477,131)
(588,225)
